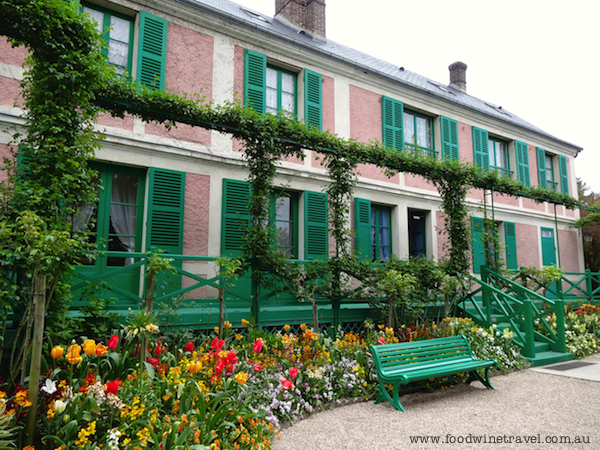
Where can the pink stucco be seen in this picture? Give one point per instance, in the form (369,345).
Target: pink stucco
(10,92)
(238,87)
(442,237)
(528,253)
(569,258)
(417,181)
(533,167)
(475,194)
(107,120)
(5,152)
(570,213)
(328,104)
(465,142)
(14,56)
(195,225)
(366,125)
(530,204)
(506,200)
(189,69)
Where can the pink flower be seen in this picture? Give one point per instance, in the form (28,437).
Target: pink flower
(286,384)
(579,311)
(113,342)
(189,347)
(258,367)
(293,373)
(258,345)
(381,340)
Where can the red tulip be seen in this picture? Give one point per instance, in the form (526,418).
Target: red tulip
(189,347)
(258,345)
(113,342)
(159,350)
(381,340)
(112,387)
(217,345)
(286,384)
(153,361)
(293,373)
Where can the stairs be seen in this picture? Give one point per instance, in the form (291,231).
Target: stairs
(542,346)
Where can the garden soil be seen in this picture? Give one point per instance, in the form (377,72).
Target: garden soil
(539,409)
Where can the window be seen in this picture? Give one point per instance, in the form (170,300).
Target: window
(268,88)
(284,209)
(281,92)
(117,32)
(381,233)
(498,155)
(393,123)
(449,129)
(546,174)
(418,129)
(417,236)
(522,154)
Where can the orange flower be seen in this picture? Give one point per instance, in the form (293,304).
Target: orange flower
(89,347)
(195,366)
(74,357)
(241,378)
(245,323)
(57,352)
(74,348)
(101,350)
(303,327)
(286,328)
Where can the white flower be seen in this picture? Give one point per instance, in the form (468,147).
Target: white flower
(49,387)
(59,406)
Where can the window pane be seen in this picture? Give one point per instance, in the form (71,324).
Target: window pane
(409,131)
(384,218)
(272,100)
(284,208)
(502,156)
(271,78)
(284,234)
(287,102)
(547,233)
(120,29)
(118,53)
(287,82)
(423,132)
(98,16)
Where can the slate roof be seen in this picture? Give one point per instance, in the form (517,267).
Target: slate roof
(247,17)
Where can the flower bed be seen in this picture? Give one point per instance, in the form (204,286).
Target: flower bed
(229,393)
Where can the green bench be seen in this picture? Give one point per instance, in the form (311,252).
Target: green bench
(399,364)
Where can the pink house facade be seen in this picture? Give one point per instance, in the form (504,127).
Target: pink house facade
(224,52)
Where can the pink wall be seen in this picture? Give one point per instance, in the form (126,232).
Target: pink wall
(528,253)
(533,167)
(465,142)
(189,69)
(530,204)
(328,104)
(14,56)
(365,126)
(418,182)
(569,259)
(10,92)
(506,200)
(5,152)
(442,237)
(125,123)
(195,224)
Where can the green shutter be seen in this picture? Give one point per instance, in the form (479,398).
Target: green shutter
(564,174)
(510,237)
(165,210)
(393,123)
(255,81)
(316,232)
(548,248)
(236,217)
(313,99)
(477,244)
(362,227)
(152,51)
(480,148)
(449,138)
(522,162)
(541,162)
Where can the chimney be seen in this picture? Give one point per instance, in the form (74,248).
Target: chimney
(458,75)
(308,15)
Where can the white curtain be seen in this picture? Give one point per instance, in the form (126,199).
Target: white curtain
(123,217)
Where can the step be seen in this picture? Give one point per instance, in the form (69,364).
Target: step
(549,357)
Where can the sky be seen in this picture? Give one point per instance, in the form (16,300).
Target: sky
(539,59)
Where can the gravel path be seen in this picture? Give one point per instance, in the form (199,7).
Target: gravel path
(526,404)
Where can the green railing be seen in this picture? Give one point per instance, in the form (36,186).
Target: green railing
(572,286)
(506,302)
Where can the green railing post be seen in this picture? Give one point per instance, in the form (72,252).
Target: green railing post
(588,284)
(486,297)
(529,344)
(254,295)
(559,289)
(561,344)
